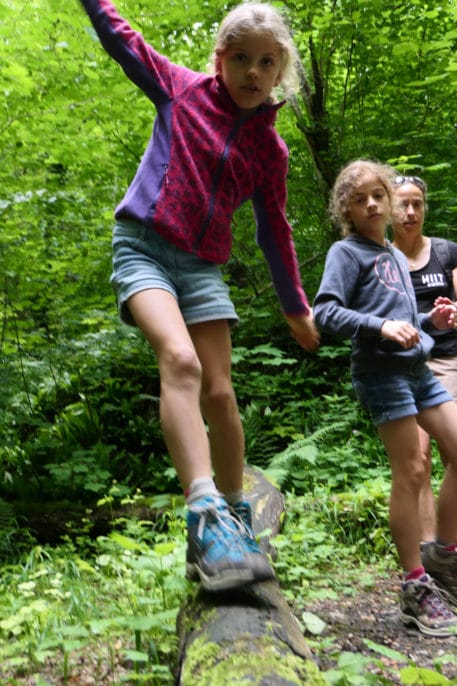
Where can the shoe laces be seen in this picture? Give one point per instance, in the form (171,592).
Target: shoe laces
(431,601)
(214,512)
(242,512)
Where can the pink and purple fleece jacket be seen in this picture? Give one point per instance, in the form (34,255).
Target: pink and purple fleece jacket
(203,160)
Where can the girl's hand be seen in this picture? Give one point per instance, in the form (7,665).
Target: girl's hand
(401,332)
(444,314)
(452,321)
(442,300)
(304,331)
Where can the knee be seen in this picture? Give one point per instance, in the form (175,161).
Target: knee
(218,399)
(410,479)
(426,460)
(181,367)
(417,475)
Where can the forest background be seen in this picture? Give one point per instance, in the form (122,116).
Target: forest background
(78,389)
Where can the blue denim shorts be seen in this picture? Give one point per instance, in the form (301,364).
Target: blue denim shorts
(142,260)
(394,396)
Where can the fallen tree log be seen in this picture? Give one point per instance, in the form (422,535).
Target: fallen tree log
(248,636)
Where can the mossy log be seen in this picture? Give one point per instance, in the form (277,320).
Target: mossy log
(248,636)
(267,505)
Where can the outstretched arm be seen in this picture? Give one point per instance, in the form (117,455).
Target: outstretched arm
(148,69)
(304,330)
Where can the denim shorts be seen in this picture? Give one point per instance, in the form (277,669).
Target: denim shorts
(394,396)
(143,260)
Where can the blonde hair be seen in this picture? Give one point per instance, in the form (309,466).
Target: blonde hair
(260,18)
(345,184)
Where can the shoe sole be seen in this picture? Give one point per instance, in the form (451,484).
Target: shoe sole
(232,578)
(443,632)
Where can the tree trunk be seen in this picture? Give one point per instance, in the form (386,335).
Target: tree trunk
(248,636)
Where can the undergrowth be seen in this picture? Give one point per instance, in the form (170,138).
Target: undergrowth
(80,426)
(115,600)
(108,607)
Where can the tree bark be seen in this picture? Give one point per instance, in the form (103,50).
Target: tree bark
(247,636)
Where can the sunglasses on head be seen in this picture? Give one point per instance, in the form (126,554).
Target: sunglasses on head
(416,180)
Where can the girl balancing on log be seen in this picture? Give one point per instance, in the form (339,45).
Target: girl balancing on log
(213,146)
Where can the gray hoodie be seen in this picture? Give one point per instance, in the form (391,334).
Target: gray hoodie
(363,285)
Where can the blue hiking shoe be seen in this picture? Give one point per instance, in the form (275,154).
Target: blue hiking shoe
(217,553)
(242,510)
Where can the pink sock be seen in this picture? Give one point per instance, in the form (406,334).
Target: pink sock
(415,573)
(448,547)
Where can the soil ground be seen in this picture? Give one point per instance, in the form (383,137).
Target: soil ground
(374,615)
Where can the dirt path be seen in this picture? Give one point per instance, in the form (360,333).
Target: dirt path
(373,615)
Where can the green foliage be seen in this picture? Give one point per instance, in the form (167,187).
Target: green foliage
(376,82)
(117,599)
(13,537)
(79,391)
(78,431)
(87,414)
(335,454)
(353,668)
(78,406)
(125,598)
(321,528)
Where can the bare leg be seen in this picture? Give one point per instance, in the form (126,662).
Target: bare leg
(218,551)
(401,441)
(219,406)
(427,505)
(441,423)
(157,314)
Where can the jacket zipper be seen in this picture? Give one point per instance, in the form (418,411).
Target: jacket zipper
(165,174)
(215,184)
(409,296)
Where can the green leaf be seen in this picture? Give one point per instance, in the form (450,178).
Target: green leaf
(384,650)
(145,623)
(126,542)
(421,675)
(136,655)
(353,663)
(163,549)
(314,624)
